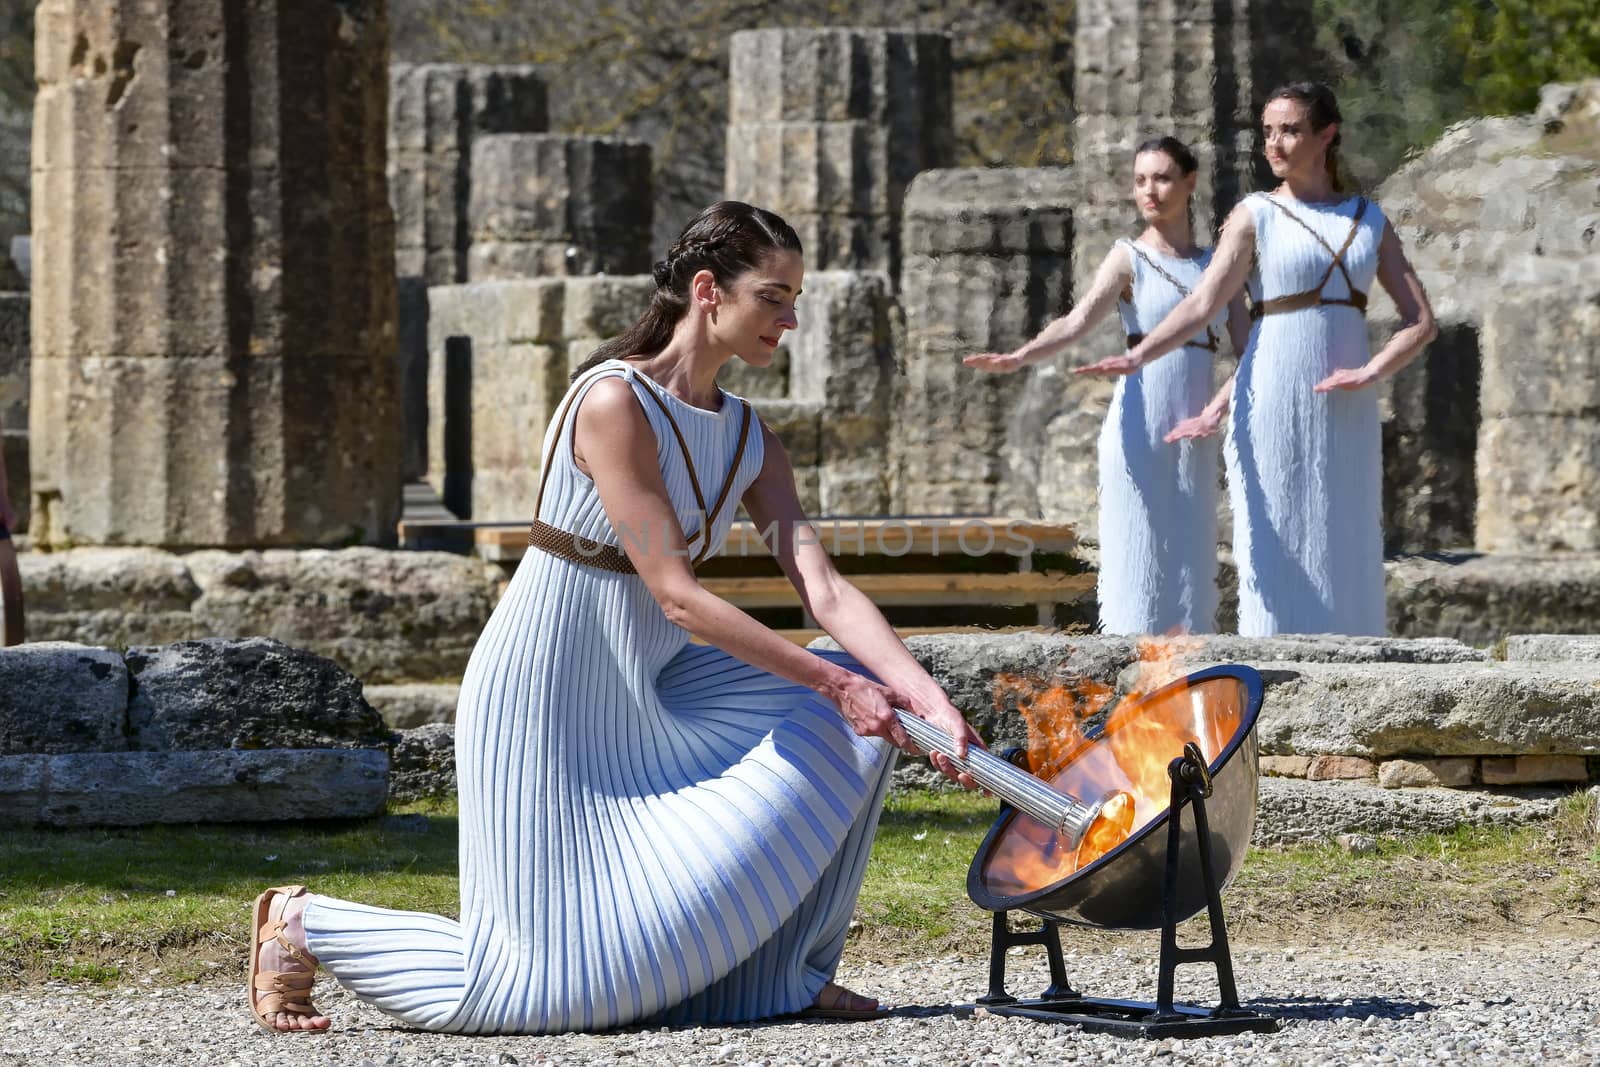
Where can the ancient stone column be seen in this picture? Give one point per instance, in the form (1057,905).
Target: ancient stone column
(213,271)
(827,127)
(988,264)
(436,110)
(545,205)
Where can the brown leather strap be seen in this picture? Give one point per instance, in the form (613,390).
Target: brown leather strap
(12,628)
(1212,342)
(1313,297)
(561,421)
(569,546)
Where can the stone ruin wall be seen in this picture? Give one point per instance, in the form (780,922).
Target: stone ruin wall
(533,244)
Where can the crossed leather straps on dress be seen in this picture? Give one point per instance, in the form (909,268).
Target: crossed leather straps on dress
(1127,296)
(569,546)
(1313,297)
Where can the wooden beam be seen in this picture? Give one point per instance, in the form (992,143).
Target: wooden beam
(900,590)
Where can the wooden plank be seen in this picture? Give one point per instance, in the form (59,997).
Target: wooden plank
(954,535)
(902,590)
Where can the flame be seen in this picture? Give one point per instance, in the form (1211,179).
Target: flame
(1125,764)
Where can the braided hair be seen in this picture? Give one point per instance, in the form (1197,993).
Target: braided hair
(1322,109)
(729,239)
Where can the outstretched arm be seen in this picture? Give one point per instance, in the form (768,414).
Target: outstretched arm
(1417,327)
(842,609)
(1223,279)
(1114,275)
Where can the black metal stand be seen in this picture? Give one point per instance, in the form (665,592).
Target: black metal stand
(1191,784)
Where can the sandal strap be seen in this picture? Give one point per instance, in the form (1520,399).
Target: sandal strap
(284,981)
(284,991)
(273,931)
(273,1003)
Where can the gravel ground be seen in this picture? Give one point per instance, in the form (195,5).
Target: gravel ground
(1510,1002)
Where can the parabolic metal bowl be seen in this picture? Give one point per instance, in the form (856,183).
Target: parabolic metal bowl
(1022,866)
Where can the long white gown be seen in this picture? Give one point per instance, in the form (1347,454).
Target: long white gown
(1305,468)
(650,829)
(1158,502)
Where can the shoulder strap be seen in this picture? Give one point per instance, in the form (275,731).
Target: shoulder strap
(1153,265)
(727,482)
(1338,257)
(578,387)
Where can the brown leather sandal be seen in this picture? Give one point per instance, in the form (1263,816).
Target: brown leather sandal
(281,991)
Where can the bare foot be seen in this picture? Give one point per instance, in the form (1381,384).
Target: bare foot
(283,1002)
(835,997)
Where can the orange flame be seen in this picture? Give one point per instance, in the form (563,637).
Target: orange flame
(1125,763)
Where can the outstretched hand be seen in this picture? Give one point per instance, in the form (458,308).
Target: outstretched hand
(1111,367)
(995,362)
(1349,379)
(1195,426)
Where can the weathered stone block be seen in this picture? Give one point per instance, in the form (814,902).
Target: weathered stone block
(1553,647)
(435,112)
(1300,812)
(411,354)
(405,707)
(61,697)
(1482,598)
(1542,353)
(250,693)
(603,307)
(424,762)
(802,168)
(1533,770)
(136,788)
(590,194)
(223,374)
(1332,768)
(1537,485)
(1457,773)
(1286,766)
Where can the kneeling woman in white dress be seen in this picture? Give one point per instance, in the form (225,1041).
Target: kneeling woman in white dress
(1158,456)
(1304,451)
(651,830)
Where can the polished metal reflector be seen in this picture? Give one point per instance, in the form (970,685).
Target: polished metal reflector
(1023,865)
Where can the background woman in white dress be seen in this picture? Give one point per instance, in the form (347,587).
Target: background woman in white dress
(1304,453)
(650,829)
(1158,467)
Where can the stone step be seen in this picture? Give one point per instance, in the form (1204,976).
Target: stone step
(407,706)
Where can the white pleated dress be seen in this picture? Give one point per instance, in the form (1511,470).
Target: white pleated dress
(1158,502)
(1304,468)
(650,830)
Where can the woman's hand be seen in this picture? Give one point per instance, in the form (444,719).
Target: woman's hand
(1195,426)
(938,710)
(1112,367)
(869,709)
(1349,379)
(996,362)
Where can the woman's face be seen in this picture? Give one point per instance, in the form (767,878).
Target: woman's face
(1161,189)
(753,317)
(1291,145)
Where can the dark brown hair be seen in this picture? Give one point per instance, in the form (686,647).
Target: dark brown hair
(729,239)
(1180,154)
(1322,109)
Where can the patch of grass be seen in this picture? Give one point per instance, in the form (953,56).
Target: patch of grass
(115,906)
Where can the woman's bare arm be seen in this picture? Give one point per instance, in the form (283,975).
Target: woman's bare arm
(619,448)
(1209,420)
(1223,279)
(1114,275)
(1417,327)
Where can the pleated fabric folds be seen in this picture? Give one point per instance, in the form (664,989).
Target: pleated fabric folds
(651,830)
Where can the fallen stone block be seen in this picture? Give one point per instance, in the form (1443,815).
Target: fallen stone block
(135,788)
(59,697)
(1293,811)
(1534,770)
(245,694)
(424,762)
(405,707)
(1453,773)
(1481,598)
